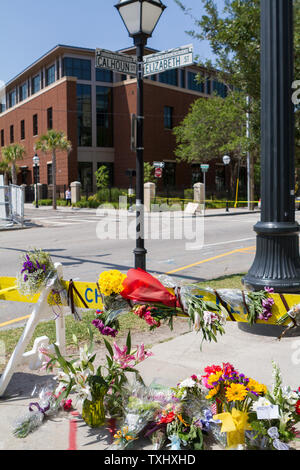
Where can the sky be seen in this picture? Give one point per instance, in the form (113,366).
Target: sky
(30,29)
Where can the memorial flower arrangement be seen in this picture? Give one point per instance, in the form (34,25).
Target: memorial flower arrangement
(274,416)
(37,269)
(260,305)
(99,390)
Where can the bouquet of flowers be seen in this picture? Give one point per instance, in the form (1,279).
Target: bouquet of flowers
(274,416)
(36,272)
(46,406)
(139,411)
(100,390)
(259,305)
(232,394)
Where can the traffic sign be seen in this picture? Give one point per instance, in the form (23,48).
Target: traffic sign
(115,61)
(158,172)
(159,164)
(204,168)
(168,60)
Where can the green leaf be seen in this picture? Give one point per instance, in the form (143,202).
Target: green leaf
(109,348)
(128,343)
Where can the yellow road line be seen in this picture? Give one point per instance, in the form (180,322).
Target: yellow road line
(210,259)
(16,320)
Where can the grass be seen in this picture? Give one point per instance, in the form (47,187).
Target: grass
(130,321)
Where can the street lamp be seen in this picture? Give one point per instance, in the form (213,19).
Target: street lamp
(226,161)
(36,162)
(140,18)
(277,261)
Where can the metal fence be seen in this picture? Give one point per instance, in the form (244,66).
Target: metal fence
(11,205)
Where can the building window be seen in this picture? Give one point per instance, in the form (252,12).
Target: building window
(170,77)
(169,175)
(23,92)
(85,174)
(196,173)
(49,173)
(22,129)
(104,75)
(84,115)
(182,78)
(220,177)
(57,70)
(35,84)
(50,118)
(193,83)
(12,97)
(168,117)
(220,88)
(50,75)
(11,134)
(2,138)
(208,86)
(35,124)
(80,68)
(104,111)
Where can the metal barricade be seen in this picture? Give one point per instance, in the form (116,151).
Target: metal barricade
(11,205)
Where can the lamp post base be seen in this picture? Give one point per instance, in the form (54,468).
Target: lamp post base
(268,330)
(140,258)
(277,261)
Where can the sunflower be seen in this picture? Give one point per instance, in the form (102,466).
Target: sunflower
(236,392)
(213,392)
(213,379)
(256,387)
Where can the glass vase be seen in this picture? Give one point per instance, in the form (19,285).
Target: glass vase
(93,412)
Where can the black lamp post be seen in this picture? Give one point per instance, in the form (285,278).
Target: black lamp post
(277,261)
(36,162)
(226,161)
(140,18)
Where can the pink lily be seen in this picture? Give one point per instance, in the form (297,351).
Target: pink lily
(141,354)
(121,356)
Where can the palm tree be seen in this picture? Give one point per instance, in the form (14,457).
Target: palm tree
(11,154)
(4,170)
(52,142)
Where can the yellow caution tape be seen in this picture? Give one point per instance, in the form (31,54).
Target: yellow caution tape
(89,292)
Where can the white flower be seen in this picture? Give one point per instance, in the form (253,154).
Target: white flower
(187,383)
(260,403)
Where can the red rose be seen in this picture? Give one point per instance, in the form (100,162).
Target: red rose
(298,407)
(168,418)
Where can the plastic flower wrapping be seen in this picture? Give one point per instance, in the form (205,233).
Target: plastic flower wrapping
(45,405)
(37,272)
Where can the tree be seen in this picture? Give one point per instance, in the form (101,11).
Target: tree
(102,177)
(234,38)
(11,154)
(149,173)
(4,170)
(53,142)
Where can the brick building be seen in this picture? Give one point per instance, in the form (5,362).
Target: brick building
(63,90)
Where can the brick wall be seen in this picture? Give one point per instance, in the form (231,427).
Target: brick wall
(62,98)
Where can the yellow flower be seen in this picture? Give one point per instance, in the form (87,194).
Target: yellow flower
(236,392)
(214,377)
(213,392)
(111,282)
(256,387)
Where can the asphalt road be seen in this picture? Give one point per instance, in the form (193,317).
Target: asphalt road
(71,237)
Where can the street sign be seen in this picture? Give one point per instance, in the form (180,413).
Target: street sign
(158,172)
(167,60)
(115,61)
(159,164)
(204,168)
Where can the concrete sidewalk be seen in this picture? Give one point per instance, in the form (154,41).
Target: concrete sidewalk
(75,210)
(172,362)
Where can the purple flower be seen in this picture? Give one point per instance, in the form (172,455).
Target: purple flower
(270,290)
(104,330)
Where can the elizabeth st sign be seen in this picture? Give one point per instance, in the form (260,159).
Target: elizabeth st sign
(153,64)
